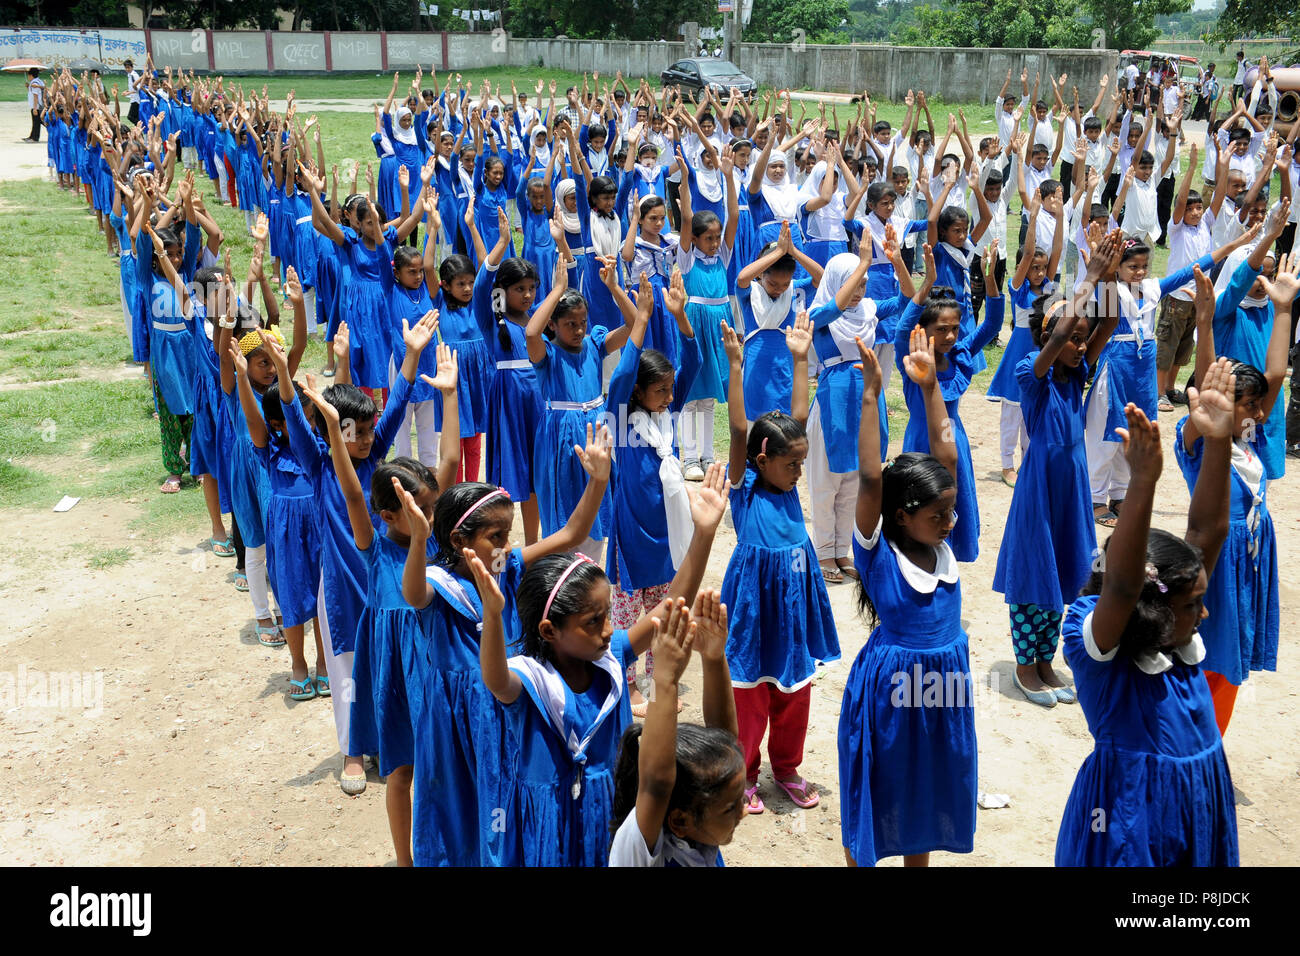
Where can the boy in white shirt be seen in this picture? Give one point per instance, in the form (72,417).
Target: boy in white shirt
(1191,236)
(1008,116)
(995,196)
(1137,195)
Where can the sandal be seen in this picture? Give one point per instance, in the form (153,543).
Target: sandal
(832,575)
(753,802)
(328,373)
(639,710)
(241,581)
(223,549)
(322,686)
(1164,405)
(1104,516)
(848,570)
(171,485)
(804,797)
(306,690)
(277,636)
(1009,476)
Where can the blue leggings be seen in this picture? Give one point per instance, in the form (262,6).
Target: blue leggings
(1035,632)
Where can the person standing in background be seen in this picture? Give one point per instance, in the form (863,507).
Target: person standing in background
(35,102)
(132,78)
(1239,81)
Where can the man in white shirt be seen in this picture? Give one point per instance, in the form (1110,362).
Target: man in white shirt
(132,78)
(1239,81)
(35,103)
(1130,76)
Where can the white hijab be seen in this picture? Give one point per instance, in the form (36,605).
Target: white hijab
(782,198)
(1230,266)
(858,322)
(403,135)
(568,219)
(709,182)
(771,313)
(657,432)
(542,156)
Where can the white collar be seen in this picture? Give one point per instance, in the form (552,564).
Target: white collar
(1156,662)
(547,689)
(922,581)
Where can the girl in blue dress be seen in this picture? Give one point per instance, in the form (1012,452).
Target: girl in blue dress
(386,183)
(408,295)
(533,200)
(648,252)
(781,625)
(907,749)
(568,366)
(1156,790)
(250,186)
(495,184)
(1126,369)
(769,302)
(1049,505)
(1032,280)
(292,531)
(823,202)
(953,241)
(938,312)
(680,790)
(704,255)
(459,330)
(504,293)
(460,748)
(562,697)
(1242,627)
(390,628)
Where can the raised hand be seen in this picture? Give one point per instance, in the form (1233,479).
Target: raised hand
(919,363)
(1284,288)
(293,285)
(675,295)
(708,505)
(417,337)
(730,344)
(1142,442)
(674,634)
(448,370)
(869,364)
(595,458)
(710,618)
(493,600)
(799,338)
(341,341)
(1212,407)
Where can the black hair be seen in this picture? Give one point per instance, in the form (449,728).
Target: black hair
(601,186)
(785,265)
(511,271)
(941,299)
(453,503)
(993,178)
(535,588)
(703,220)
(570,300)
(247,318)
(1134,247)
(1146,159)
(707,116)
(1048,187)
(1194,197)
(410,472)
(908,483)
(1238,133)
(404,256)
(647,148)
(650,201)
(351,403)
(1151,625)
(951,216)
(652,367)
(355,203)
(597,130)
(1092,122)
(493,161)
(1098,211)
(1038,148)
(772,435)
(881,126)
(272,407)
(707,757)
(880,190)
(168,236)
(1250,381)
(455,265)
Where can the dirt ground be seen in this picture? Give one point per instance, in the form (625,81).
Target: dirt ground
(177,744)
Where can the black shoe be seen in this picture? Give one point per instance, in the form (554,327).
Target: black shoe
(1177,396)
(1293,451)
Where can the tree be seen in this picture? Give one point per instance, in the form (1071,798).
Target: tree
(1258,17)
(822,21)
(996,23)
(1131,24)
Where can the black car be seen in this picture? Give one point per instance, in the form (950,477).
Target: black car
(721,75)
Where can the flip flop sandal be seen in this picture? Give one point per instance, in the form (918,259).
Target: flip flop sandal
(277,636)
(832,575)
(328,373)
(306,690)
(1164,405)
(322,686)
(848,570)
(241,581)
(223,549)
(801,793)
(753,802)
(171,486)
(1106,519)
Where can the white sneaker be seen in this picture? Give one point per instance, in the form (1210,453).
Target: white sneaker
(693,472)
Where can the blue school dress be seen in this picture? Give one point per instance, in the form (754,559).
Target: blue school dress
(303,240)
(250,486)
(563,748)
(1005,384)
(364,306)
(208,144)
(1126,368)
(1241,633)
(249,183)
(411,305)
(292,534)
(328,289)
(953,383)
(639,553)
(342,569)
(908,757)
(708,305)
(380,717)
(767,364)
(601,307)
(1241,332)
(278,228)
(656,261)
(171,352)
(459,331)
(569,383)
(539,245)
(746,242)
(488,201)
(386,185)
(514,402)
(952,269)
(780,624)
(839,383)
(451,209)
(458,726)
(128,275)
(409,155)
(1049,541)
(1155,791)
(211,434)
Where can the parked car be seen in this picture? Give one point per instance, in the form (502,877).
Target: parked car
(720,75)
(1188,67)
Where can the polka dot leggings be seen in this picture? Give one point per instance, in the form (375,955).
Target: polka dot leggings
(1035,632)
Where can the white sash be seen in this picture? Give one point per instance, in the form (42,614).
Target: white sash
(657,432)
(771,313)
(962,256)
(1141,319)
(546,687)
(606,234)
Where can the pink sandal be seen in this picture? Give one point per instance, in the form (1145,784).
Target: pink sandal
(799,793)
(753,802)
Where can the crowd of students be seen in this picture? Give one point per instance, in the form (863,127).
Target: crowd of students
(554,298)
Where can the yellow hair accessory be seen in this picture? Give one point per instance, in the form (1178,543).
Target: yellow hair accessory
(251,342)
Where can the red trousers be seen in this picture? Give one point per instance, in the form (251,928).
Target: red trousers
(1224,694)
(785,719)
(471,458)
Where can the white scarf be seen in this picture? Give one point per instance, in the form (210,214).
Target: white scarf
(962,256)
(598,161)
(546,688)
(858,322)
(649,174)
(782,198)
(466,180)
(403,135)
(657,432)
(568,219)
(1230,267)
(826,222)
(709,183)
(542,155)
(606,234)
(771,313)
(1142,319)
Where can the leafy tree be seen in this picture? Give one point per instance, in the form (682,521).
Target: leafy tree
(1131,24)
(1242,18)
(823,21)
